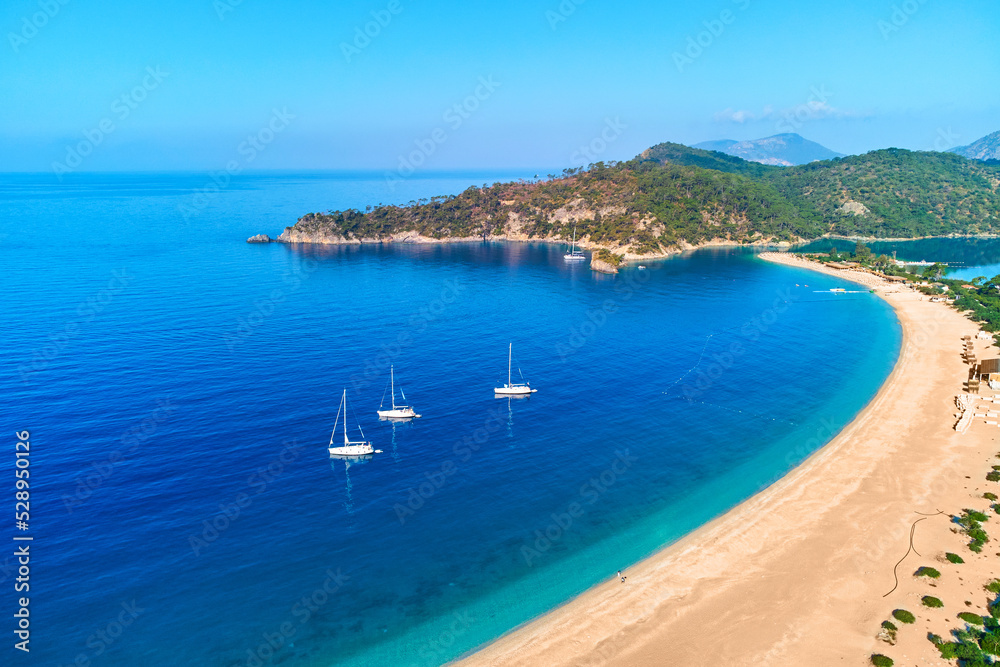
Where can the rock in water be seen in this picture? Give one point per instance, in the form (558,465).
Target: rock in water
(259,238)
(601,265)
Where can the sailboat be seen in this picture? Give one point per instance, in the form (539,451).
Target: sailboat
(397,411)
(511,388)
(574,252)
(351,448)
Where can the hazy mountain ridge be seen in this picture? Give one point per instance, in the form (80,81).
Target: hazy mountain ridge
(987,148)
(783,150)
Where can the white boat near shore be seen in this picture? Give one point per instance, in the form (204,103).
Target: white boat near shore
(574,254)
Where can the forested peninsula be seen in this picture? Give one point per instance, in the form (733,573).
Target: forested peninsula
(672,197)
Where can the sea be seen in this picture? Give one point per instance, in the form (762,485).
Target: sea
(180,387)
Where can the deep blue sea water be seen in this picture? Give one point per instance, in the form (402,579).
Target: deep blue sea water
(180,386)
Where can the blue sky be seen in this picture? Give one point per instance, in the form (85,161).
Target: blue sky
(851,75)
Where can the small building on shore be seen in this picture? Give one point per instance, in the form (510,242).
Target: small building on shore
(989,372)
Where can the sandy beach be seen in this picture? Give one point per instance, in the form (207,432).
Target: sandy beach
(801,573)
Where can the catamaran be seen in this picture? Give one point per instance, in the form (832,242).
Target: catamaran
(574,252)
(350,447)
(511,388)
(397,411)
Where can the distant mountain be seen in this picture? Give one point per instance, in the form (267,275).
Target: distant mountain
(783,150)
(721,145)
(987,148)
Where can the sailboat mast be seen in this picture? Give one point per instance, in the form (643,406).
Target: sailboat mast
(344,399)
(340,410)
(392,381)
(510,352)
(574,239)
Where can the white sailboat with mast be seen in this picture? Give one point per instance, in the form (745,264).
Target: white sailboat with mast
(512,388)
(574,252)
(397,411)
(350,448)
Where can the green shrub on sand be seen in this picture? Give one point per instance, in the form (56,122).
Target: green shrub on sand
(970,618)
(903,616)
(977,516)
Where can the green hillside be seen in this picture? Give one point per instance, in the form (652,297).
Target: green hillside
(672,194)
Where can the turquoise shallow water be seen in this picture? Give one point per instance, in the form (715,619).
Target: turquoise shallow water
(180,386)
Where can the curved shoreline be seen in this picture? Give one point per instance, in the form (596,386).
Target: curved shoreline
(796,574)
(413,238)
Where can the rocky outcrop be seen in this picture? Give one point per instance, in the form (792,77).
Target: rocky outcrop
(295,235)
(259,238)
(854,208)
(601,266)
